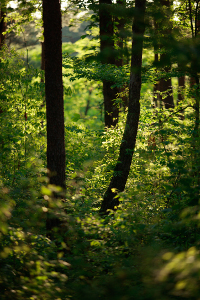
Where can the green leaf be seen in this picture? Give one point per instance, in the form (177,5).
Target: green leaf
(46,191)
(76,117)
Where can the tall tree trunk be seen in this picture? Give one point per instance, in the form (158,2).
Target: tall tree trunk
(42,57)
(120,33)
(194,66)
(166,83)
(165,28)
(156,95)
(127,146)
(119,61)
(2,24)
(181,86)
(42,78)
(166,88)
(54,96)
(156,87)
(194,80)
(107,56)
(2,29)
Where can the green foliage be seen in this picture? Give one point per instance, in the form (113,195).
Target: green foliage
(97,71)
(22,115)
(149,247)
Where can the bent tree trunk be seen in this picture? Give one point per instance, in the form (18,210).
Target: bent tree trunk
(54,97)
(122,167)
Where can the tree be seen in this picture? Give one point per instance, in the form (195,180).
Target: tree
(163,30)
(122,168)
(111,111)
(195,18)
(2,28)
(120,37)
(181,85)
(54,96)
(2,23)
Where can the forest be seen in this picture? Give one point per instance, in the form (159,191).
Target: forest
(100,150)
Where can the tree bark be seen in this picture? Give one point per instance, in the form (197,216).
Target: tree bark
(2,29)
(194,80)
(166,88)
(156,95)
(42,57)
(156,87)
(54,99)
(166,83)
(181,86)
(119,61)
(111,111)
(120,29)
(127,146)
(165,28)
(54,92)
(2,25)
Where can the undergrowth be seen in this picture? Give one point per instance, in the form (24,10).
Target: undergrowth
(147,249)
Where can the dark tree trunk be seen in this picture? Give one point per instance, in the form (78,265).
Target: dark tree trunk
(2,25)
(42,78)
(156,95)
(111,111)
(107,57)
(194,79)
(120,33)
(106,32)
(54,97)
(166,88)
(181,86)
(192,82)
(42,57)
(2,29)
(119,61)
(127,146)
(166,83)
(164,28)
(88,101)
(54,92)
